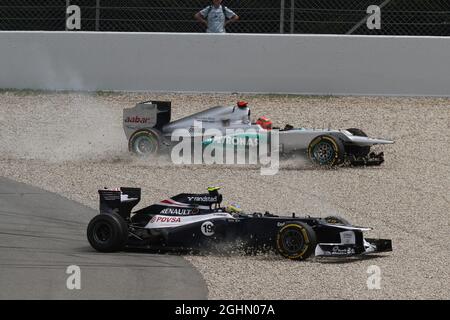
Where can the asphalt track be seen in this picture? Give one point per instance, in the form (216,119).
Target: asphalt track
(42,233)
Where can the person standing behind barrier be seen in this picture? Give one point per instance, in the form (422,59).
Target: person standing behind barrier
(215,17)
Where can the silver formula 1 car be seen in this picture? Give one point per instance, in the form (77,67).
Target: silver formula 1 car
(148,128)
(198,221)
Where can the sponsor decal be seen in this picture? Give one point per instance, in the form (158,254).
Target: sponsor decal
(157,219)
(280,224)
(236,140)
(137,119)
(160,221)
(348,237)
(177,211)
(203,198)
(344,251)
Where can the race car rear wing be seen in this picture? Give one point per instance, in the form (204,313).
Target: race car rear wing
(120,201)
(146,115)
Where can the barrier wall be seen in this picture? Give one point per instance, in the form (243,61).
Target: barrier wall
(307,64)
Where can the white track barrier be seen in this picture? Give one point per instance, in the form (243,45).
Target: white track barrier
(303,64)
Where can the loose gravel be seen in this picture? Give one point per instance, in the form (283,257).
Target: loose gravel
(73,144)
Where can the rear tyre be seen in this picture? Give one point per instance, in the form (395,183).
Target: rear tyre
(326,151)
(296,241)
(107,232)
(144,143)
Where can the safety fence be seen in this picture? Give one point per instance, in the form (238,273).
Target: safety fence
(364,17)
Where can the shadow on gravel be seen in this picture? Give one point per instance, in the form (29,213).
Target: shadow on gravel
(269,256)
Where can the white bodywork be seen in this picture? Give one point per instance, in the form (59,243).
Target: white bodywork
(143,116)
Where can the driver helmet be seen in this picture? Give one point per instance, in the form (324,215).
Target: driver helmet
(265,123)
(213,189)
(233,208)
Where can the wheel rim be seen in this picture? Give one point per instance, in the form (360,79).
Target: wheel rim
(102,233)
(293,241)
(323,152)
(145,145)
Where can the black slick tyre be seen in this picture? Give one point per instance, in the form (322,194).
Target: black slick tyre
(326,151)
(296,241)
(107,232)
(144,143)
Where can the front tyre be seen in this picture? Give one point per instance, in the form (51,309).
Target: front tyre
(107,232)
(326,151)
(296,241)
(144,143)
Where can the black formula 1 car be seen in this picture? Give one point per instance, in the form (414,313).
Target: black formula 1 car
(198,221)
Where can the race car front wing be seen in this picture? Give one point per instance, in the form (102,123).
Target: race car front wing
(346,250)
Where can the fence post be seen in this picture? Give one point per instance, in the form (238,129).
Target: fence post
(282,16)
(97,15)
(292,15)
